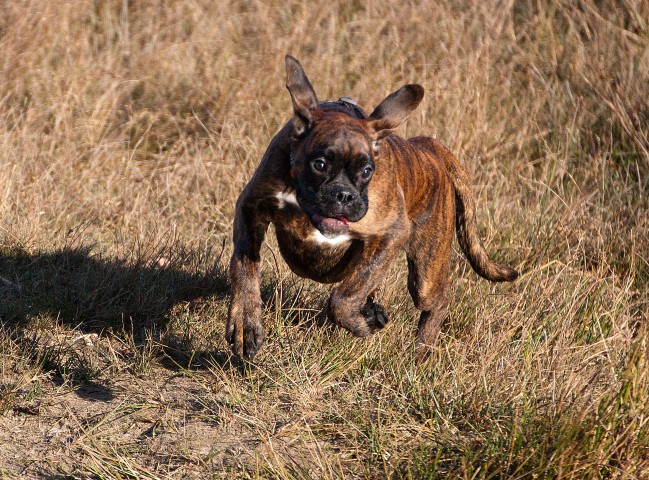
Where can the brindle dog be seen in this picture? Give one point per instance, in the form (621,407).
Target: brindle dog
(345,196)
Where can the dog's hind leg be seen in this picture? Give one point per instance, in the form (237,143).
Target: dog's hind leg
(428,254)
(428,286)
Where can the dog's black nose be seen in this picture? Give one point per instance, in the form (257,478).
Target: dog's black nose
(345,197)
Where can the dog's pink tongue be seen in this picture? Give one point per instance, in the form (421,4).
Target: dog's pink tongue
(334,225)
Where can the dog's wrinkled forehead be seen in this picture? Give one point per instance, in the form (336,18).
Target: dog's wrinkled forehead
(340,136)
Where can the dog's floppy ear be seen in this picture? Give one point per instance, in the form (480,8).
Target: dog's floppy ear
(394,109)
(302,95)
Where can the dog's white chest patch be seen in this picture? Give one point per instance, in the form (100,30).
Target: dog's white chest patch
(285,198)
(319,238)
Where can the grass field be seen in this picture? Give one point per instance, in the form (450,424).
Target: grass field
(127,130)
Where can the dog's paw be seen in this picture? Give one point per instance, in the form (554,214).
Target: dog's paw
(245,334)
(245,338)
(375,316)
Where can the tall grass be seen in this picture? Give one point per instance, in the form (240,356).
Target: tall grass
(127,130)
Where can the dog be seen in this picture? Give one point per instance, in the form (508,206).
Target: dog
(346,196)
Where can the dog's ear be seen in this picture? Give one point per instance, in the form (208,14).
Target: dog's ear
(302,95)
(394,109)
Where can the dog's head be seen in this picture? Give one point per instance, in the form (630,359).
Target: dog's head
(335,155)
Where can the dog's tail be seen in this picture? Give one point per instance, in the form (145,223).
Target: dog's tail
(465,222)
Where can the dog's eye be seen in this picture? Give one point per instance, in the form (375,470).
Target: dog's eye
(366,172)
(319,165)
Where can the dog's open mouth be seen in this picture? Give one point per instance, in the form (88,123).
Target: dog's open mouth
(331,226)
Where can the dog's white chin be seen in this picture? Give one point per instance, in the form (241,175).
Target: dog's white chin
(335,240)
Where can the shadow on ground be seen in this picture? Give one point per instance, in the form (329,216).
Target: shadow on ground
(93,293)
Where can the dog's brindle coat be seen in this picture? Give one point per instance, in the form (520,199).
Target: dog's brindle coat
(345,197)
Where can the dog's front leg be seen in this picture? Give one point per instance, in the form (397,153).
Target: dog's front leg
(351,305)
(244,330)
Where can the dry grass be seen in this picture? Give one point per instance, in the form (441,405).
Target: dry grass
(127,130)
